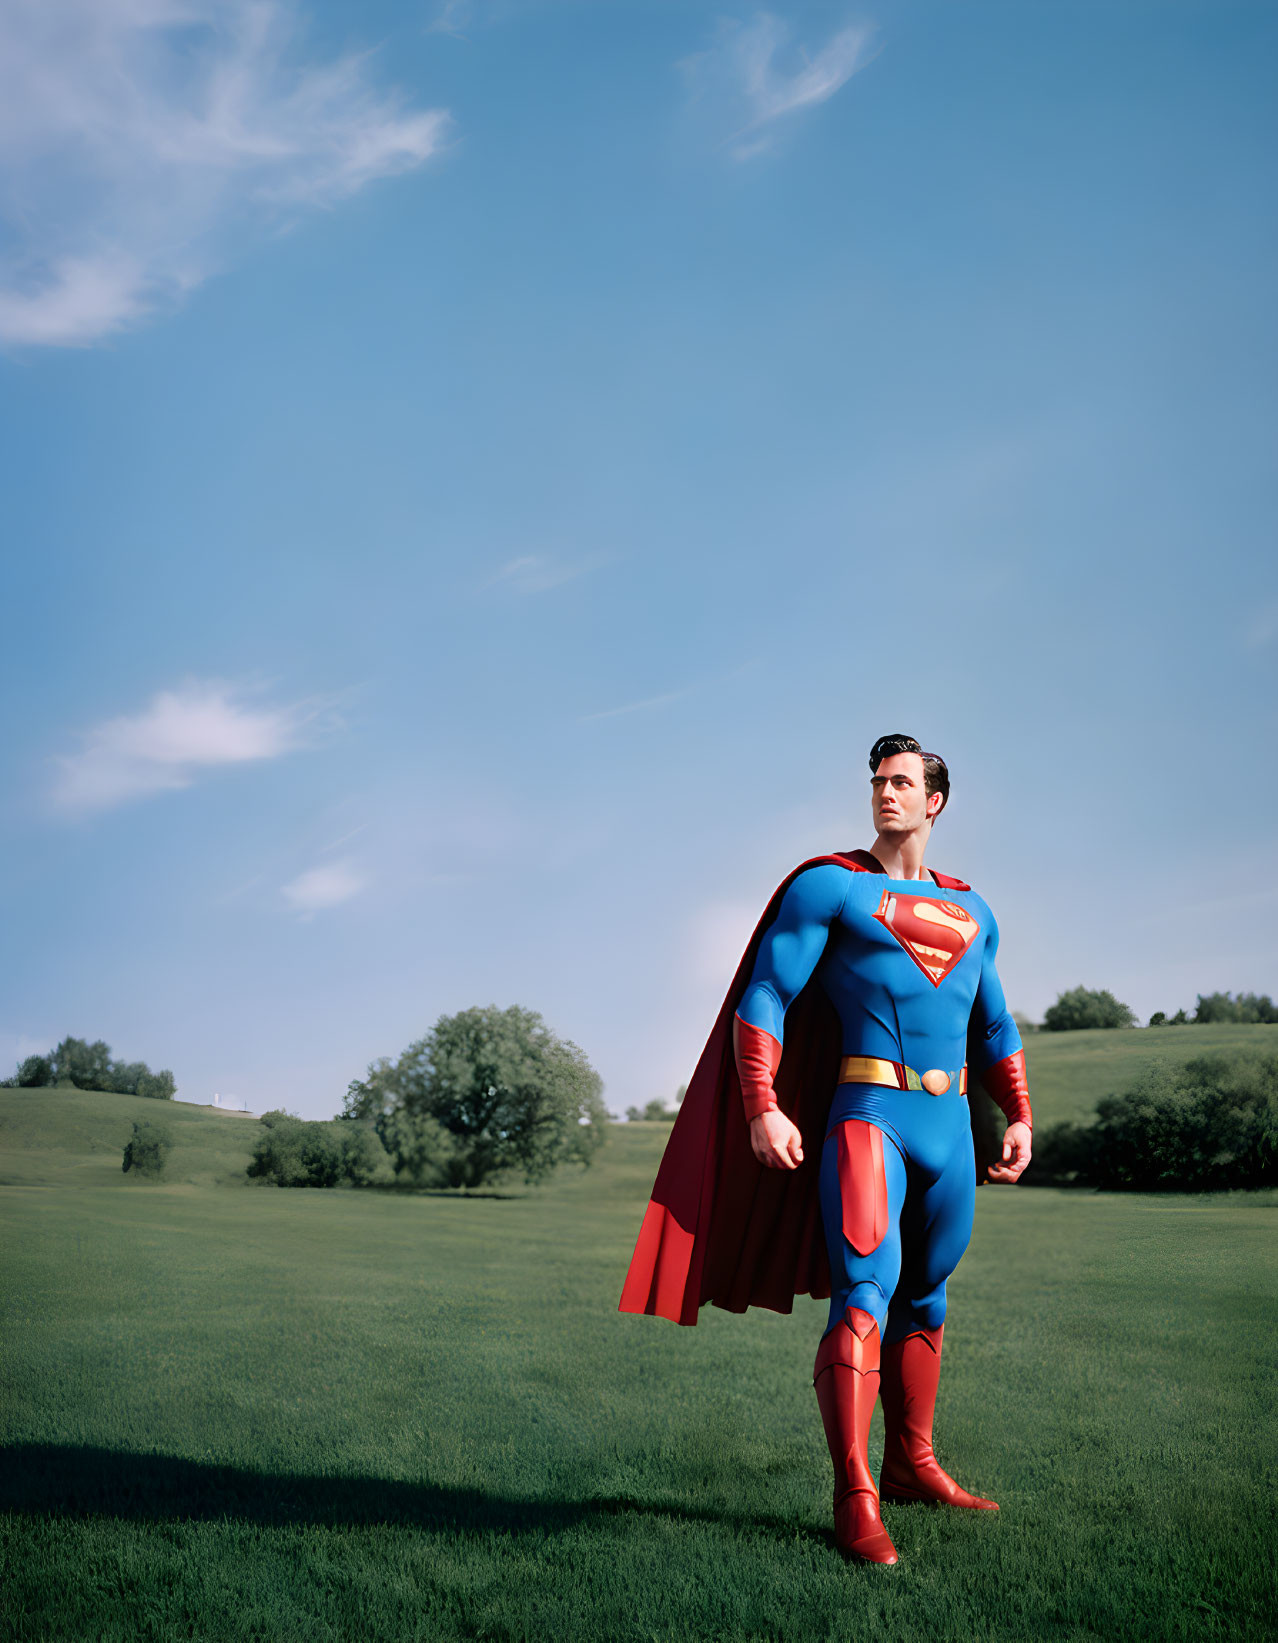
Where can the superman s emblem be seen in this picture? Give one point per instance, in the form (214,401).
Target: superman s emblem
(935,934)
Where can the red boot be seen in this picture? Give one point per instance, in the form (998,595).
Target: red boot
(846,1377)
(911,1370)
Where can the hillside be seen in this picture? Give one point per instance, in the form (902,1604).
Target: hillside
(1070,1072)
(68,1137)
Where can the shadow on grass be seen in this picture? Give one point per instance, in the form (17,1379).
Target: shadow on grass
(48,1480)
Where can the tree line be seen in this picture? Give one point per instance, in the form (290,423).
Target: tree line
(1083,1007)
(90,1067)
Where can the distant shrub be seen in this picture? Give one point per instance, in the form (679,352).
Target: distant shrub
(1160,1018)
(653,1112)
(1202,1127)
(35,1072)
(297,1152)
(656,1112)
(147,1149)
(1246,1008)
(1083,1007)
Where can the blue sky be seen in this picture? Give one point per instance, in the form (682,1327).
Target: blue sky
(478,477)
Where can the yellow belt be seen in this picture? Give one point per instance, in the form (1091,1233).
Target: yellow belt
(869,1069)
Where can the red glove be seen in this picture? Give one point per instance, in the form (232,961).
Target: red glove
(1005,1081)
(758,1057)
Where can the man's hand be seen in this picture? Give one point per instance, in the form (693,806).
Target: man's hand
(776,1142)
(1016,1154)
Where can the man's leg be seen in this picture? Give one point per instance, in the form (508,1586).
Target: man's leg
(862,1190)
(936,1228)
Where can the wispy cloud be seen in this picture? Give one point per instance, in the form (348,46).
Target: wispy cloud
(326,886)
(669,696)
(179,735)
(538,573)
(752,77)
(451,18)
(633,707)
(144,142)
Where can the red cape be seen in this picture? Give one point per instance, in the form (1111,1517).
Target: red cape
(719,1227)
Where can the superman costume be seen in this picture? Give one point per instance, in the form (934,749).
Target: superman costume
(882,993)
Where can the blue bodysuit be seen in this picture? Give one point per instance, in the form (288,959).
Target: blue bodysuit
(909,968)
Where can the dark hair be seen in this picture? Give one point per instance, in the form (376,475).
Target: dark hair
(936,777)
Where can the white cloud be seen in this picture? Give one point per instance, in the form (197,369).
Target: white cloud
(325,886)
(747,76)
(180,733)
(142,142)
(539,572)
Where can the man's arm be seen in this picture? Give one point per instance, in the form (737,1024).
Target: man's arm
(1002,1065)
(788,954)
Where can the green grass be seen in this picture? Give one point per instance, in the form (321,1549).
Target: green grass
(76,1138)
(256,1414)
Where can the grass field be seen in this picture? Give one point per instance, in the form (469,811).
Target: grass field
(253,1414)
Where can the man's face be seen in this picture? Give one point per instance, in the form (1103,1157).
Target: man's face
(898,798)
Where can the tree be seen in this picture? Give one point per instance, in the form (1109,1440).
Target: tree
(1247,1007)
(87,1066)
(159,1086)
(298,1152)
(1083,1007)
(35,1072)
(485,1093)
(368,1098)
(147,1149)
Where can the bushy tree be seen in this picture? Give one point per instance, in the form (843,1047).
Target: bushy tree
(147,1149)
(1247,1007)
(298,1152)
(368,1098)
(87,1066)
(1084,1007)
(159,1086)
(1201,1127)
(35,1072)
(485,1093)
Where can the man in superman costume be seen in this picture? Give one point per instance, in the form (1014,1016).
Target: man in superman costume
(866,994)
